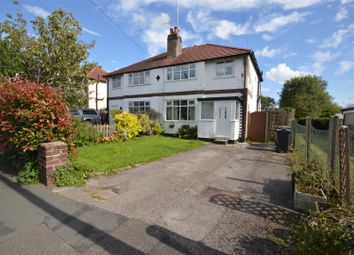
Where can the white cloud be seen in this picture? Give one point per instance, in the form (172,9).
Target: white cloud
(320,58)
(225,28)
(155,34)
(345,66)
(293,4)
(267,52)
(202,21)
(282,72)
(273,23)
(90,31)
(267,37)
(338,37)
(341,14)
(36,11)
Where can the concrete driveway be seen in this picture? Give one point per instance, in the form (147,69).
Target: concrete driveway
(227,198)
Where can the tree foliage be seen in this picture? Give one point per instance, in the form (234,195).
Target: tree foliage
(308,96)
(267,102)
(31,114)
(53,55)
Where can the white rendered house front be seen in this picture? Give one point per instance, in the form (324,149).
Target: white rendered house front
(209,86)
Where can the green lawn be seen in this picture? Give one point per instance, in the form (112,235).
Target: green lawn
(109,157)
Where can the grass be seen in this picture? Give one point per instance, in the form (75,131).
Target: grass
(107,158)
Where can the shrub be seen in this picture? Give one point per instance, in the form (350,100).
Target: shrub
(127,126)
(322,124)
(29,174)
(85,134)
(31,114)
(148,126)
(187,132)
(326,232)
(311,176)
(72,174)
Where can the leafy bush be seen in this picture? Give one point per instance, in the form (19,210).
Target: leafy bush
(322,124)
(127,126)
(29,174)
(187,132)
(311,176)
(327,232)
(148,126)
(85,134)
(31,114)
(153,115)
(72,174)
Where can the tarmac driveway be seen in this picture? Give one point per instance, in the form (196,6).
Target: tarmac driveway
(227,198)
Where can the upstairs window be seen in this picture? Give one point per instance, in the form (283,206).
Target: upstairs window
(182,72)
(139,106)
(139,78)
(180,110)
(116,83)
(224,68)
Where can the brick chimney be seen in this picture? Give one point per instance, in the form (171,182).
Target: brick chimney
(174,43)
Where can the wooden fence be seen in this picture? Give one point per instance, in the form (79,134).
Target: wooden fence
(105,129)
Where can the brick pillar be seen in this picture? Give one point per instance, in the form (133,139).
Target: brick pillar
(51,155)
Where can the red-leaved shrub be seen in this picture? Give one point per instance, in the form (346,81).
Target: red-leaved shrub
(31,114)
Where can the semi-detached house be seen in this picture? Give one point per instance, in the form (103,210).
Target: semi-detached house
(212,86)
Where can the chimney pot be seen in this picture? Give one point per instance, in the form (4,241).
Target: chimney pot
(174,43)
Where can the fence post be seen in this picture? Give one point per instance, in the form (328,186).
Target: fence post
(333,139)
(344,178)
(308,139)
(293,127)
(266,126)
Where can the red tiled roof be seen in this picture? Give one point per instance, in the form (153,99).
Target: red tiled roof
(97,73)
(189,55)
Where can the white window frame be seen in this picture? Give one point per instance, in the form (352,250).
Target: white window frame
(181,72)
(201,110)
(116,82)
(138,106)
(179,104)
(139,78)
(222,65)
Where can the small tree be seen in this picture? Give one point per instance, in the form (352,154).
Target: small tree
(308,96)
(267,102)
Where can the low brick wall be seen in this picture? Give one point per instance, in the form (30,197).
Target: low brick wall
(51,155)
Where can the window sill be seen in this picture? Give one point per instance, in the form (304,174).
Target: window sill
(116,88)
(207,120)
(179,121)
(140,85)
(224,77)
(191,79)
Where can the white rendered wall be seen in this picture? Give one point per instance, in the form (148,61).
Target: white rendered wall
(102,95)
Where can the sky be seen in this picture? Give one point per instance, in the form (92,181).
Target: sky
(290,38)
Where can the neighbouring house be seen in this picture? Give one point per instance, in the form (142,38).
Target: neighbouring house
(97,89)
(348,116)
(211,86)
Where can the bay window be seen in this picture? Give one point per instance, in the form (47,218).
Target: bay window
(139,106)
(180,110)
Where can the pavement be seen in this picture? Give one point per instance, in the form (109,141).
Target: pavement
(213,200)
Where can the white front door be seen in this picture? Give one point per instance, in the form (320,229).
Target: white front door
(223,118)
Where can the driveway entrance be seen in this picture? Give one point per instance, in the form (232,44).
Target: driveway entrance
(227,197)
